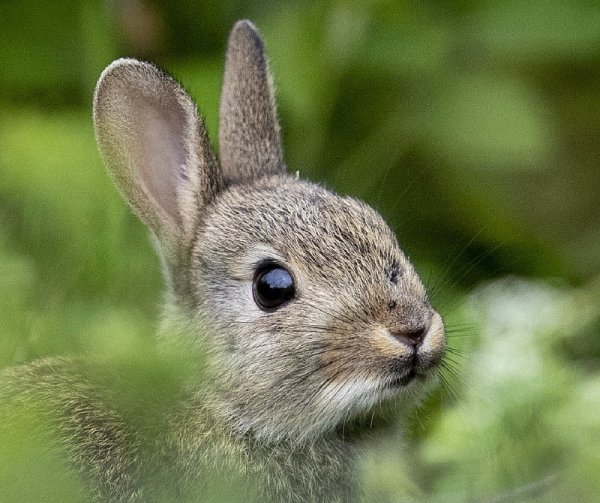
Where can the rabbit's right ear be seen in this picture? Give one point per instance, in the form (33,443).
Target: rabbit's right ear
(156,148)
(249,136)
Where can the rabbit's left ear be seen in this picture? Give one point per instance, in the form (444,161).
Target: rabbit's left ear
(249,138)
(156,148)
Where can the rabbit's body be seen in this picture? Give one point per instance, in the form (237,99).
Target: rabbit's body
(188,448)
(307,310)
(84,426)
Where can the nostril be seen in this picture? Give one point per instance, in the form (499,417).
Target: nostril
(416,335)
(411,337)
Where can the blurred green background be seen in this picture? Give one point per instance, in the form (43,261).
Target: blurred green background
(473,126)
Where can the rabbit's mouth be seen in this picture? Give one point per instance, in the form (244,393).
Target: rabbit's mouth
(408,376)
(406,379)
(418,368)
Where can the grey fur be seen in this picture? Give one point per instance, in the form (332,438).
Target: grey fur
(249,138)
(280,384)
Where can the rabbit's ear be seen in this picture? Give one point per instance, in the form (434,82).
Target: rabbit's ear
(155,147)
(249,139)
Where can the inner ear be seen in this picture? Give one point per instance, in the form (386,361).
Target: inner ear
(161,153)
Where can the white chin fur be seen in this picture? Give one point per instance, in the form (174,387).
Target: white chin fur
(352,395)
(335,404)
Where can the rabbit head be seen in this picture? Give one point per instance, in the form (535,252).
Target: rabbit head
(313,312)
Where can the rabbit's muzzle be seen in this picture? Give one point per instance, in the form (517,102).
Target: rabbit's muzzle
(421,349)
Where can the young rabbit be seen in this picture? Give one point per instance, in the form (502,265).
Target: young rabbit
(309,311)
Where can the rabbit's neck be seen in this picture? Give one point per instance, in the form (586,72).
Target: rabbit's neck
(319,470)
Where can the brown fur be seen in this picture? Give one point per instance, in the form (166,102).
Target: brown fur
(280,384)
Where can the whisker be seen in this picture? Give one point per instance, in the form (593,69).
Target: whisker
(467,269)
(448,268)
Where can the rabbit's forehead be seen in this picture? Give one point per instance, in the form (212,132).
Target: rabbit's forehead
(306,225)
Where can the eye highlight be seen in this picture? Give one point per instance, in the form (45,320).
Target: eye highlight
(273,286)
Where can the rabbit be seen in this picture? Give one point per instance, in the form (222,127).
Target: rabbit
(306,308)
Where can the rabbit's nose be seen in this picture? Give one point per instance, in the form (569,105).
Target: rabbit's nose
(412,337)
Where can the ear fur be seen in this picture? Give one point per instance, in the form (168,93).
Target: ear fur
(249,137)
(156,149)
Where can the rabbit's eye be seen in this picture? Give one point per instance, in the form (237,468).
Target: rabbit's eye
(273,286)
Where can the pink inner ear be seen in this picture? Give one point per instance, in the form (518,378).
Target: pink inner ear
(159,148)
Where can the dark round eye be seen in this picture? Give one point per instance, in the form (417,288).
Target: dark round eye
(273,286)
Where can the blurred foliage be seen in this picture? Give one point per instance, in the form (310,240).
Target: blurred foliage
(525,425)
(473,126)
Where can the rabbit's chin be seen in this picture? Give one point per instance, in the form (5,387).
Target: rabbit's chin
(336,405)
(359,396)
